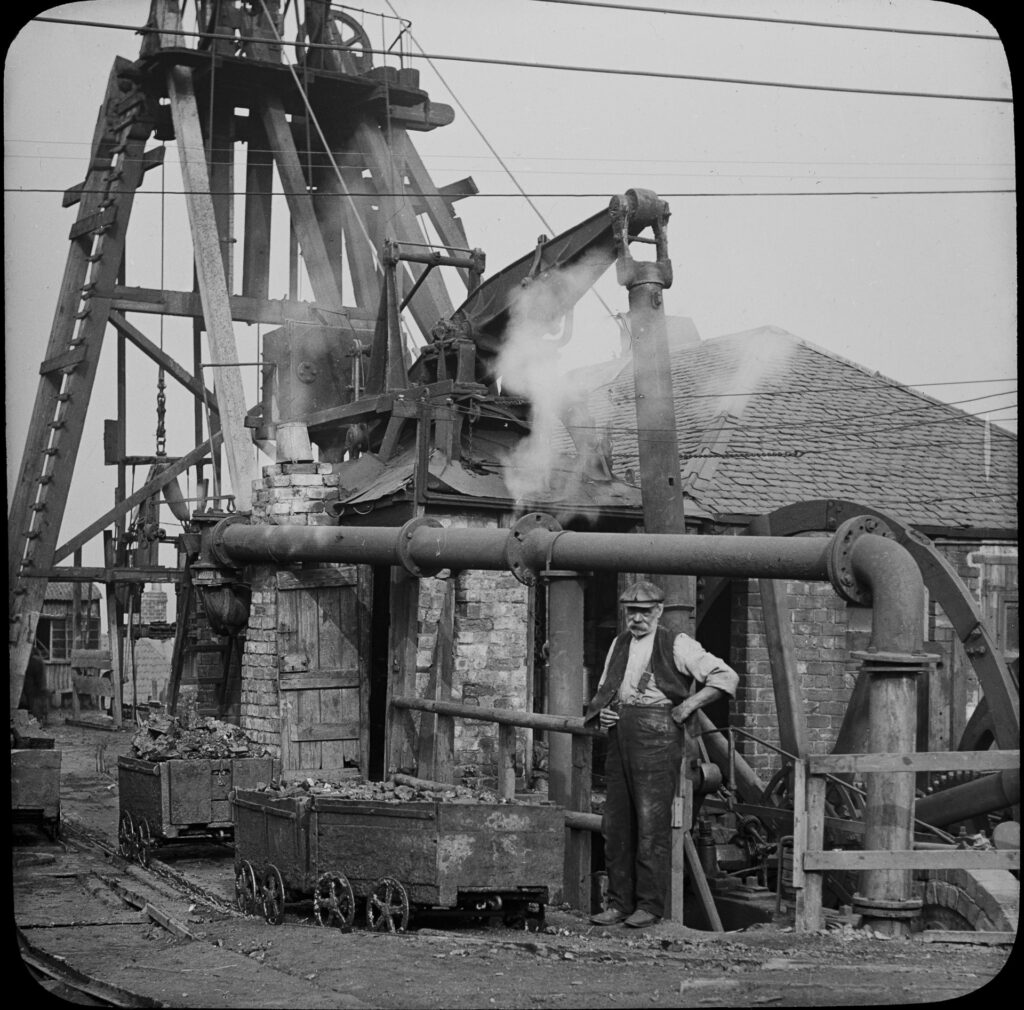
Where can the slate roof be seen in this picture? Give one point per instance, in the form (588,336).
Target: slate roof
(766,419)
(63,591)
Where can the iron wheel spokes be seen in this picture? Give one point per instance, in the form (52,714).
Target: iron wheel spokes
(334,904)
(246,894)
(273,895)
(126,835)
(143,841)
(387,907)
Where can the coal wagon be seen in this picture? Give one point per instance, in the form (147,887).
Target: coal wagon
(180,799)
(396,861)
(35,788)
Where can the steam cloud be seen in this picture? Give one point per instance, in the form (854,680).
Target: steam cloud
(529,366)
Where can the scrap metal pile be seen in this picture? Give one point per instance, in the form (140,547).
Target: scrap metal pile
(166,737)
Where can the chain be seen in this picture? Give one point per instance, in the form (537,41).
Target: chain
(161,412)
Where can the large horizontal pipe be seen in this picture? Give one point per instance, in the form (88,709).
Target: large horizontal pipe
(970,799)
(434,548)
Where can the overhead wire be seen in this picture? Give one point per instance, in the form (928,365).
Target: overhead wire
(577,194)
(574,68)
(644,9)
(490,147)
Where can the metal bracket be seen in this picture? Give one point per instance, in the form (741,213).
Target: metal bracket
(515,554)
(838,560)
(405,541)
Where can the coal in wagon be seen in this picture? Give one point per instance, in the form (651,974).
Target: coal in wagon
(396,861)
(180,800)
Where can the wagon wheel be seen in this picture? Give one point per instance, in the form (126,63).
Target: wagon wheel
(245,887)
(143,841)
(334,904)
(387,907)
(126,835)
(273,895)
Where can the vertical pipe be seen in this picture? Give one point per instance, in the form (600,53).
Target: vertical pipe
(893,661)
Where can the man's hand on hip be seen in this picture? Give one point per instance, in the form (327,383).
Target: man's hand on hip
(608,717)
(683,711)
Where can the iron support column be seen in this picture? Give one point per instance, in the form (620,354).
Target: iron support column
(893,660)
(657,442)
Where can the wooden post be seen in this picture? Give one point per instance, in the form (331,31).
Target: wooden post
(213,288)
(682,819)
(808,836)
(565,697)
(436,758)
(506,762)
(578,864)
(113,631)
(400,731)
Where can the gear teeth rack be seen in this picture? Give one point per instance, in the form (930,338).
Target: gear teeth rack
(68,371)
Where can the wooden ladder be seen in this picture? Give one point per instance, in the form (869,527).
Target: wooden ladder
(73,352)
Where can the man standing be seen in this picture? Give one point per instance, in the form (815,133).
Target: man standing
(652,683)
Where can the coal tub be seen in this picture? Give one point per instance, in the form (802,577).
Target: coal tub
(394,861)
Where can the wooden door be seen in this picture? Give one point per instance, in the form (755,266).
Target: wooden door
(323,625)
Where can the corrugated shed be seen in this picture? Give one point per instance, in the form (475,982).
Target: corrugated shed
(765,419)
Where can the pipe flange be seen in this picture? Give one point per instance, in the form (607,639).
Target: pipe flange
(898,663)
(838,559)
(515,554)
(884,908)
(402,547)
(216,553)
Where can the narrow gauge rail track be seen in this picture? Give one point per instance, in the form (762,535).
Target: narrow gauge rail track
(56,974)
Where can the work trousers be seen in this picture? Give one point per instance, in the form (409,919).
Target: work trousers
(645,749)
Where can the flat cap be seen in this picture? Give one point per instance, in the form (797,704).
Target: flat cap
(642,594)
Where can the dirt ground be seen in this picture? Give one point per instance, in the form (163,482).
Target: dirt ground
(172,936)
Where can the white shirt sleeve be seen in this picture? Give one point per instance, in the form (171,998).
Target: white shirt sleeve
(707,670)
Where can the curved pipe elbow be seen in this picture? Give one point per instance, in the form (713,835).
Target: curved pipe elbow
(897,593)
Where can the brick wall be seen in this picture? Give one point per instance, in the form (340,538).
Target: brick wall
(293,494)
(492,645)
(823,638)
(825,632)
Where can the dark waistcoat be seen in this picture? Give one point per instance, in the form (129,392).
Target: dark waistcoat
(673,684)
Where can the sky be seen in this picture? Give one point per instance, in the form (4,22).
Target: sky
(916,284)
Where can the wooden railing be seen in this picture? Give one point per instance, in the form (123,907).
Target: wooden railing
(811,861)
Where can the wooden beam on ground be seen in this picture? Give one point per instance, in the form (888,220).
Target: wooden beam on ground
(213,288)
(707,900)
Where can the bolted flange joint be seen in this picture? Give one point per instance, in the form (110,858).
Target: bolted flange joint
(521,566)
(403,547)
(839,562)
(880,908)
(211,552)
